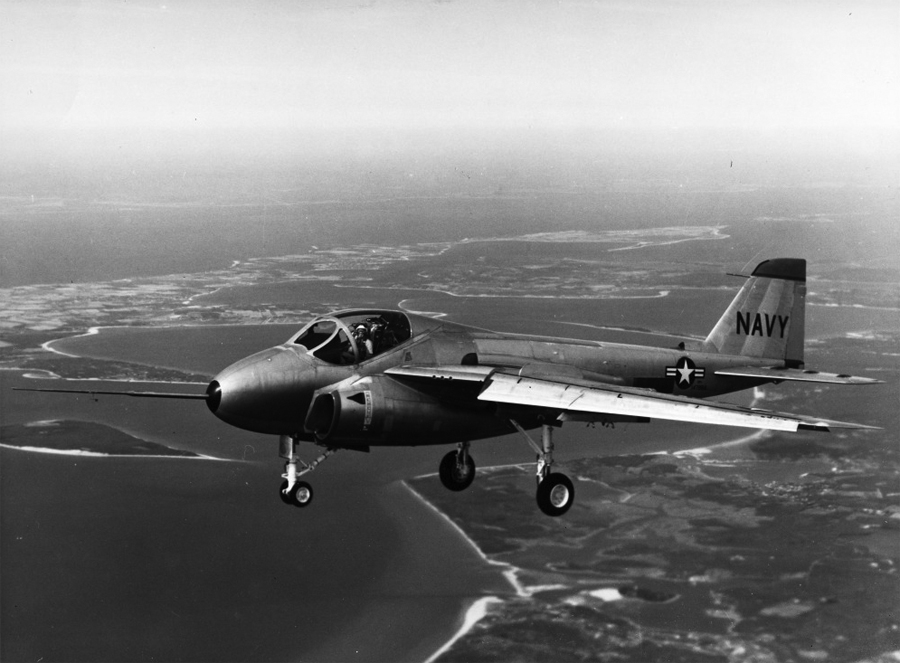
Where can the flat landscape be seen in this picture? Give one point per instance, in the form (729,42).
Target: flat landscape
(165,538)
(774,547)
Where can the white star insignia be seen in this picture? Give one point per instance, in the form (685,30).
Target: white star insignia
(685,371)
(685,374)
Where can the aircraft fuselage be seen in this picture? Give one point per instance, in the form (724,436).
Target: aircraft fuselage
(273,391)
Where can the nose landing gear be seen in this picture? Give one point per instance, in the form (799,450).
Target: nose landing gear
(293,492)
(300,495)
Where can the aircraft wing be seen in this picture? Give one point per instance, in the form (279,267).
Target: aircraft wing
(136,394)
(572,397)
(777,373)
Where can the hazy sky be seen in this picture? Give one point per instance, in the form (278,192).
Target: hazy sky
(479,64)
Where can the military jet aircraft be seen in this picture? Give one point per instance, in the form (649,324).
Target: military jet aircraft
(364,378)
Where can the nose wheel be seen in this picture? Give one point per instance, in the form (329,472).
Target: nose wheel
(300,495)
(294,492)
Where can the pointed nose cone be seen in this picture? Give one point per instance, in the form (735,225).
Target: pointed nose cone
(268,392)
(213,396)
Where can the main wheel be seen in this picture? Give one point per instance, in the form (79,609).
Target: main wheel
(555,494)
(301,494)
(456,476)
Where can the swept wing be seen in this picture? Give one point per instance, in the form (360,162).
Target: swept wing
(135,394)
(571,397)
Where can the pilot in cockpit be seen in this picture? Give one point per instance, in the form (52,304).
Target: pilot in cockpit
(382,334)
(363,342)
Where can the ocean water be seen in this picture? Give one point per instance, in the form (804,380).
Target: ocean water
(140,559)
(171,559)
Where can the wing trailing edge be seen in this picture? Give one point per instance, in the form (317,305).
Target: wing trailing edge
(578,400)
(629,402)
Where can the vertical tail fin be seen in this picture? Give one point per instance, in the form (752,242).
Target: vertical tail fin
(766,319)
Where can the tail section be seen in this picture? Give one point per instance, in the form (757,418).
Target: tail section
(766,319)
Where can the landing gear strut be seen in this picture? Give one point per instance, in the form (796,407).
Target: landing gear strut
(555,492)
(294,492)
(457,469)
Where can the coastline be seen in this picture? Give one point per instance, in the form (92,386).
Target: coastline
(478,608)
(171,347)
(47,345)
(476,612)
(509,570)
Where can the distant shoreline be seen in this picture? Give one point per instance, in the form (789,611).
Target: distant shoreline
(478,609)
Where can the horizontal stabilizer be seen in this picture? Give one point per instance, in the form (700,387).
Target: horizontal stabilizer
(796,374)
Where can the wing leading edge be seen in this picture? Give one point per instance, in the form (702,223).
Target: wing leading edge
(778,374)
(134,394)
(579,397)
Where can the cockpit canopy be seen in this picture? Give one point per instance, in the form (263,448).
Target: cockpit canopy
(351,337)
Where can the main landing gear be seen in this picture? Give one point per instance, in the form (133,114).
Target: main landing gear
(457,469)
(555,492)
(293,492)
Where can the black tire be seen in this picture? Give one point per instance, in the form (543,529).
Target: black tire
(283,493)
(555,494)
(301,494)
(453,476)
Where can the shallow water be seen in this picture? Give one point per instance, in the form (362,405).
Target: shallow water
(127,559)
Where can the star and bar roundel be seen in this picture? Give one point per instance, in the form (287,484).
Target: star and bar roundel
(685,372)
